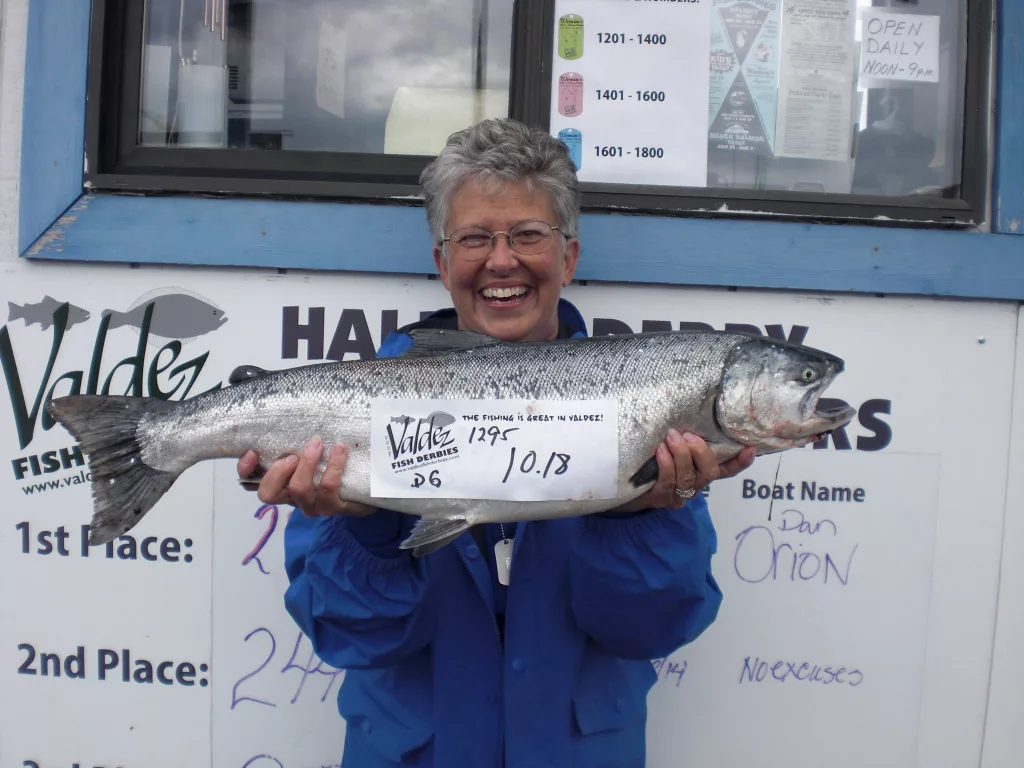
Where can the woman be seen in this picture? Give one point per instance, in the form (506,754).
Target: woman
(436,674)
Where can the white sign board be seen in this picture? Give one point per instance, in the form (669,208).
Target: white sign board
(899,46)
(858,575)
(630,88)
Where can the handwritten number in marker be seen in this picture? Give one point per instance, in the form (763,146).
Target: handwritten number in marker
(234,691)
(529,464)
(434,479)
(313,666)
(309,669)
(511,461)
(530,457)
(260,514)
(252,761)
(494,433)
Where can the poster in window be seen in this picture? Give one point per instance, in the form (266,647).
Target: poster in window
(816,81)
(744,75)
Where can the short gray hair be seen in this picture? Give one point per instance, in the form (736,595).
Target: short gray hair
(499,151)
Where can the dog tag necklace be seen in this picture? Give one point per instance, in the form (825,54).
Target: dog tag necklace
(503,557)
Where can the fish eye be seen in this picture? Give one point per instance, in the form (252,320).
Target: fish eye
(808,375)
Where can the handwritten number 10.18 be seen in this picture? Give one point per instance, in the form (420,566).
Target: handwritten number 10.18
(529,464)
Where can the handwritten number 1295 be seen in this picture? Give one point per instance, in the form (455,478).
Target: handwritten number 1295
(529,464)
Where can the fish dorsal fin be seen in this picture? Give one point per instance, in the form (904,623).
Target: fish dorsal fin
(437,341)
(245,373)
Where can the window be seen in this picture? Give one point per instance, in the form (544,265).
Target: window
(273,96)
(870,110)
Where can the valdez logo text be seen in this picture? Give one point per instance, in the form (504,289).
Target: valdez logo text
(143,380)
(413,441)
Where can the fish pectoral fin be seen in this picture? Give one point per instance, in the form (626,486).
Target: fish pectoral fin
(430,535)
(437,341)
(648,473)
(246,372)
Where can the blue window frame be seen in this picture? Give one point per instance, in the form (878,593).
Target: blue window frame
(59,219)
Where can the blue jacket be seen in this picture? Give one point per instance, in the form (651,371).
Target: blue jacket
(429,680)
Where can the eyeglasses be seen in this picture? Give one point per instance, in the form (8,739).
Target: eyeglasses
(528,238)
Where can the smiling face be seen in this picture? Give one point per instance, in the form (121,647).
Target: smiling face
(504,293)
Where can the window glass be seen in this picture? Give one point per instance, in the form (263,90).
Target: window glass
(902,64)
(801,96)
(375,76)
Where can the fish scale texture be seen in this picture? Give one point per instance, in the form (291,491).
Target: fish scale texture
(658,380)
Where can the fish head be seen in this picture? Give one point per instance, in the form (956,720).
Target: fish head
(770,391)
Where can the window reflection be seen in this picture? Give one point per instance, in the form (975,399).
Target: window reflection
(898,137)
(330,75)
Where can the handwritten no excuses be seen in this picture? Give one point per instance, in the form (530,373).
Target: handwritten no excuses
(898,46)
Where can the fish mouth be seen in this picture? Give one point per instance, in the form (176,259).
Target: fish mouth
(825,421)
(821,423)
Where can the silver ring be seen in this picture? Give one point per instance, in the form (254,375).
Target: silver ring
(686,495)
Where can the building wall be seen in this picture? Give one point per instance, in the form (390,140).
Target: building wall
(942,540)
(14,21)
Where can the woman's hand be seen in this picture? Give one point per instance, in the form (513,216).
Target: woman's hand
(685,462)
(290,481)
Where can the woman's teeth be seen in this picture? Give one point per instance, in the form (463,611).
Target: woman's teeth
(504,293)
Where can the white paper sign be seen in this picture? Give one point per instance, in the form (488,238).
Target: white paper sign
(513,450)
(816,81)
(630,87)
(330,70)
(900,46)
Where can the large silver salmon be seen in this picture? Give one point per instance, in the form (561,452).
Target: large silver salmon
(732,389)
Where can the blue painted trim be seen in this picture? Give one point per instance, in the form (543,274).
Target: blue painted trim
(53,134)
(1008,196)
(616,247)
(394,238)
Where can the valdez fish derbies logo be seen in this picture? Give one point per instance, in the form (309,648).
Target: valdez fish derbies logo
(163,319)
(418,442)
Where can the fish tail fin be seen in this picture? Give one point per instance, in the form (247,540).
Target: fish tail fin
(124,487)
(430,535)
(14,311)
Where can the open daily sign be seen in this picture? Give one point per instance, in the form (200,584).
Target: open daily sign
(899,46)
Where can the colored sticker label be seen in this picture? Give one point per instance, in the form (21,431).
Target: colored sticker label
(573,139)
(570,36)
(570,94)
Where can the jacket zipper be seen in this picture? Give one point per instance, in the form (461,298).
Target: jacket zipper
(501,645)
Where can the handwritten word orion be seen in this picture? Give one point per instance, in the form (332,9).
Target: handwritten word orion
(758,557)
